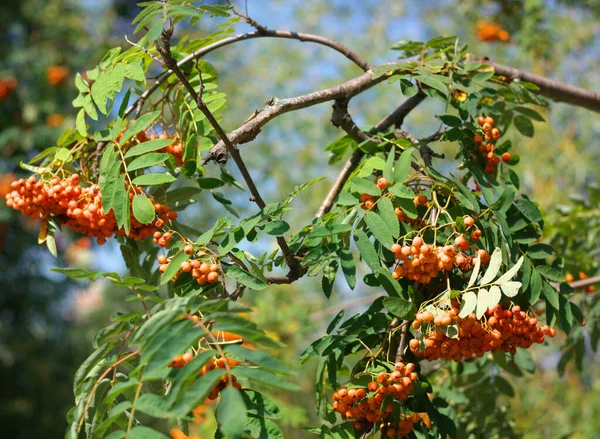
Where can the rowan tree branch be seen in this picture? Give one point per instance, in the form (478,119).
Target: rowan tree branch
(164,49)
(276,107)
(303,37)
(402,345)
(549,88)
(344,121)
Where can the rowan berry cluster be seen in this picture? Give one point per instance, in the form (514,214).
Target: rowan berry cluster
(490,31)
(180,361)
(204,271)
(485,142)
(364,405)
(79,208)
(423,262)
(502,330)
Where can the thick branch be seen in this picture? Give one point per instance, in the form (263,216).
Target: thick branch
(549,88)
(402,345)
(276,107)
(356,59)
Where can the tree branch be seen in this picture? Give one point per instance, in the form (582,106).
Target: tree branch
(276,107)
(400,350)
(549,88)
(164,48)
(345,122)
(356,59)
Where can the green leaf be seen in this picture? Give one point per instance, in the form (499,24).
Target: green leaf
(364,186)
(141,432)
(398,306)
(231,413)
(524,125)
(153,179)
(386,210)
(469,303)
(210,183)
(482,76)
(535,285)
(408,206)
(475,272)
(348,266)
(510,289)
(121,205)
(401,191)
(147,160)
(260,405)
(432,82)
(149,146)
(539,251)
(402,168)
(529,209)
(143,209)
(389,165)
(379,229)
(504,386)
(493,267)
(329,230)
(506,199)
(261,428)
(265,377)
(258,358)
(366,249)
(484,301)
(276,228)
(80,123)
(510,273)
(550,273)
(551,295)
(245,278)
(173,267)
(141,123)
(90,363)
(531,114)
(449,120)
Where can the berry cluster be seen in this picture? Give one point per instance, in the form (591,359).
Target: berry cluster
(214,363)
(485,142)
(490,31)
(423,262)
(79,208)
(200,270)
(504,330)
(363,405)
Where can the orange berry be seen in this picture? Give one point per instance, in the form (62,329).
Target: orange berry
(188,249)
(382,183)
(569,277)
(506,157)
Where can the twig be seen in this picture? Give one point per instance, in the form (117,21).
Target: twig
(400,350)
(304,37)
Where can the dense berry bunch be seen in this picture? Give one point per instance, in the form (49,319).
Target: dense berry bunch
(77,207)
(485,144)
(204,271)
(364,405)
(423,262)
(502,330)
